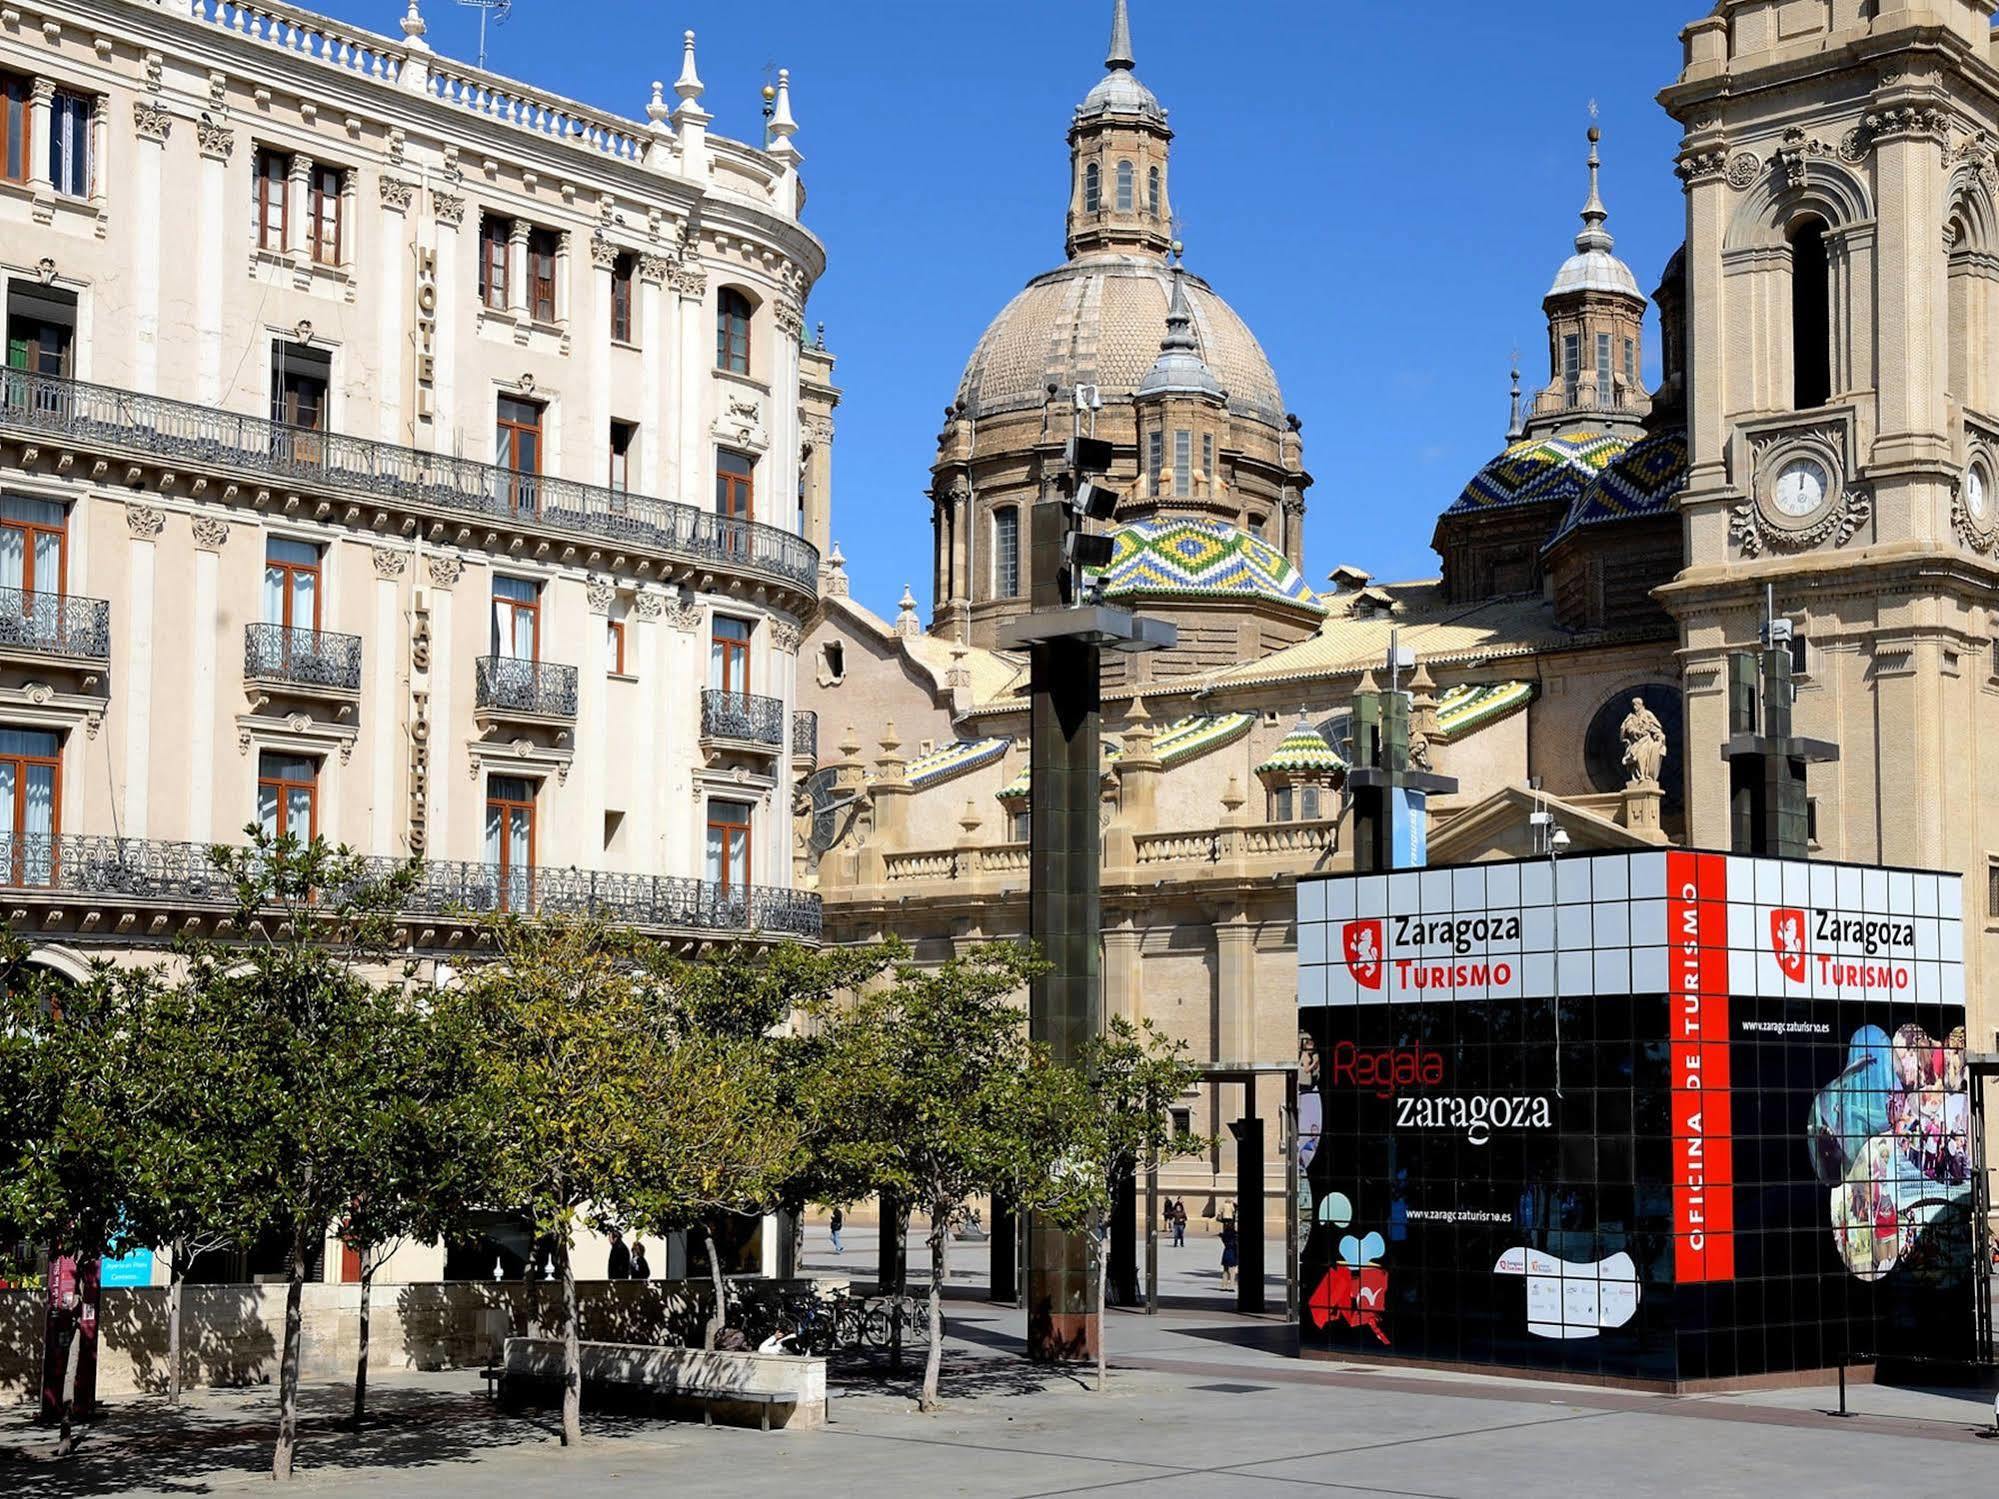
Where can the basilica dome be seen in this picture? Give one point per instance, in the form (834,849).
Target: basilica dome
(1096,321)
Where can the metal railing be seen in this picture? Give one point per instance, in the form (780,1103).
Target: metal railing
(737,715)
(513,684)
(55,624)
(302,658)
(179,432)
(805,735)
(185,873)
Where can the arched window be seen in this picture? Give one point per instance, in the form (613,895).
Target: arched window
(1093,196)
(1006,553)
(1811,316)
(1152,191)
(1124,187)
(732,331)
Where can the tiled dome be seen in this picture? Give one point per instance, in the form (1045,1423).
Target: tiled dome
(1642,480)
(1097,320)
(1303,752)
(1541,469)
(1204,558)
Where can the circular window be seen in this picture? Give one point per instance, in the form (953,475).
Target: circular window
(1603,744)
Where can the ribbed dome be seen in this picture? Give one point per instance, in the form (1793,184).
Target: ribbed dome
(1098,320)
(1595,270)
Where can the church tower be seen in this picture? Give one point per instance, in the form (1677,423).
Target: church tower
(1118,158)
(1842,266)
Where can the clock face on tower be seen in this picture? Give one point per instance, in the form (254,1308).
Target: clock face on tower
(1976,501)
(1801,488)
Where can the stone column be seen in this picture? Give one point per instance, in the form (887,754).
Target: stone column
(1235,983)
(203,643)
(781,682)
(40,114)
(593,747)
(891,794)
(563,261)
(693,484)
(681,819)
(599,395)
(788,326)
(135,671)
(654,453)
(450,211)
(151,124)
(382,709)
(211,260)
(1122,959)
(446,656)
(298,208)
(517,269)
(654,676)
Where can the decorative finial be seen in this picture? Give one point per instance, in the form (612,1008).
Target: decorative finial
(1120,53)
(656,111)
(906,622)
(1179,249)
(1594,236)
(414,26)
(819,337)
(782,126)
(1513,427)
(688,85)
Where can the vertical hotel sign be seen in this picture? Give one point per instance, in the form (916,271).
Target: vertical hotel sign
(1703,1147)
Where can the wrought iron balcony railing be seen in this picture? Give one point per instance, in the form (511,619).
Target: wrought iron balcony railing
(510,684)
(182,433)
(737,715)
(313,659)
(805,735)
(185,874)
(55,624)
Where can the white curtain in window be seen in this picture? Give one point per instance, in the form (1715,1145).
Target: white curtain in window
(27,809)
(69,144)
(13,557)
(513,629)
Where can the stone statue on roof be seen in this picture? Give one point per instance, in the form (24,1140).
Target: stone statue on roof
(1644,745)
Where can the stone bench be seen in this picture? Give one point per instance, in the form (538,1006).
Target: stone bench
(732,1384)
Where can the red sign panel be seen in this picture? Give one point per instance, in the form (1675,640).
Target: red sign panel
(1787,941)
(1364,942)
(1703,1168)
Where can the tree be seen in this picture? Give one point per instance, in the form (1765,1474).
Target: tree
(318,1039)
(929,1091)
(605,1100)
(72,1173)
(1109,1114)
(421,1164)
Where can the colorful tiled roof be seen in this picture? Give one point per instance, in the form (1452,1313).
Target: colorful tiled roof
(1473,705)
(1175,744)
(948,761)
(1183,556)
(1303,752)
(1540,470)
(1640,481)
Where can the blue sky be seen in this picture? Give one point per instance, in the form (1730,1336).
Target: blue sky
(1383,191)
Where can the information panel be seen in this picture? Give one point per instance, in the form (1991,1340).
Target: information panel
(1672,1116)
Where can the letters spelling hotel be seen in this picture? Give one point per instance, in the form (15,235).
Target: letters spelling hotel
(1668,1116)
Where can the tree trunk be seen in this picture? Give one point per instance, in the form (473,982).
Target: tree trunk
(361,1359)
(572,1351)
(1103,1265)
(281,1456)
(940,1218)
(176,1285)
(719,1318)
(66,1437)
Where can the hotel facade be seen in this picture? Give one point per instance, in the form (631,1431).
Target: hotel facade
(399,453)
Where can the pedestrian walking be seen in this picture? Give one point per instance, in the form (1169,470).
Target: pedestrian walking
(620,1267)
(1180,1224)
(1229,1256)
(839,1222)
(640,1269)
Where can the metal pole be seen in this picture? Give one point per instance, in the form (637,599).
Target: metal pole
(1152,1238)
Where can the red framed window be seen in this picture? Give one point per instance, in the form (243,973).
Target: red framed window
(542,247)
(34,546)
(729,848)
(621,298)
(732,331)
(291,584)
(614,646)
(735,485)
(273,173)
(494,236)
(517,619)
(16,125)
(510,839)
(323,230)
(729,654)
(30,805)
(517,447)
(288,795)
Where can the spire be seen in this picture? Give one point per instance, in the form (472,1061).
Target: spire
(1594,236)
(689,85)
(1179,366)
(1513,427)
(782,126)
(1120,56)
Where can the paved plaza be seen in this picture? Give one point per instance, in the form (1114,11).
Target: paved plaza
(1199,1405)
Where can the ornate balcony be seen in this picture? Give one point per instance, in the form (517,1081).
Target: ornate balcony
(303,663)
(805,736)
(45,411)
(737,720)
(514,690)
(91,878)
(37,628)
